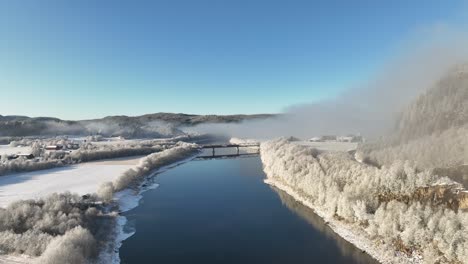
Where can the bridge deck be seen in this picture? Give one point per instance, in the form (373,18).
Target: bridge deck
(237,146)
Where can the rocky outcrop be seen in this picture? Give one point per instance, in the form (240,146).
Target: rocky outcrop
(450,196)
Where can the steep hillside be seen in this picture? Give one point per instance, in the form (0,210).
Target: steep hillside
(443,107)
(432,131)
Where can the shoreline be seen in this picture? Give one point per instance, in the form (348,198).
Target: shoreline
(122,201)
(127,200)
(347,232)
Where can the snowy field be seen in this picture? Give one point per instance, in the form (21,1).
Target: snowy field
(82,179)
(8,150)
(329,146)
(10,259)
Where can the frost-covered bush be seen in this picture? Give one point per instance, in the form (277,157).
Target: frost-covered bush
(21,165)
(133,177)
(75,246)
(109,152)
(37,149)
(91,152)
(63,228)
(106,191)
(87,152)
(352,192)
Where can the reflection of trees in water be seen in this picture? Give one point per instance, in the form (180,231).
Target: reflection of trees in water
(347,249)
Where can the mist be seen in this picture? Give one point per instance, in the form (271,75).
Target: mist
(371,108)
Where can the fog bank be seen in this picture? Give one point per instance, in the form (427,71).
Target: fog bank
(371,108)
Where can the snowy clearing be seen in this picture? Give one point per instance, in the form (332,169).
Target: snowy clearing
(11,259)
(9,150)
(82,179)
(329,146)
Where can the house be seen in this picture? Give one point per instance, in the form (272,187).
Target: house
(54,147)
(316,139)
(73,146)
(345,139)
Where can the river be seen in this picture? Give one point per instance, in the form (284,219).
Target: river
(221,211)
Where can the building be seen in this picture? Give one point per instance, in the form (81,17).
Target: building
(73,146)
(316,139)
(54,147)
(345,139)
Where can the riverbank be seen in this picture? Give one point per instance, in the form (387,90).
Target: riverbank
(127,200)
(347,232)
(368,206)
(87,210)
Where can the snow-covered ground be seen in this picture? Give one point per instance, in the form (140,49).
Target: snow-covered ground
(83,178)
(9,150)
(11,259)
(235,140)
(328,146)
(127,176)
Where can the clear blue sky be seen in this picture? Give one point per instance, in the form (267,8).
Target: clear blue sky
(86,59)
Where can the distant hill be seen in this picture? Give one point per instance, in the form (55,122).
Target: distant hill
(180,119)
(154,125)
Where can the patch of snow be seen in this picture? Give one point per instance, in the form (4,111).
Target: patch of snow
(82,179)
(328,146)
(235,140)
(16,259)
(9,150)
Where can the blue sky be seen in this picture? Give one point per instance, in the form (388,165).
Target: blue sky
(87,59)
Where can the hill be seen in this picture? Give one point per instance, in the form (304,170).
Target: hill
(432,131)
(154,125)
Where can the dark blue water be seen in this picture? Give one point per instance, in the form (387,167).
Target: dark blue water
(220,211)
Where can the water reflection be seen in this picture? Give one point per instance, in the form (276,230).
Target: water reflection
(346,248)
(221,211)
